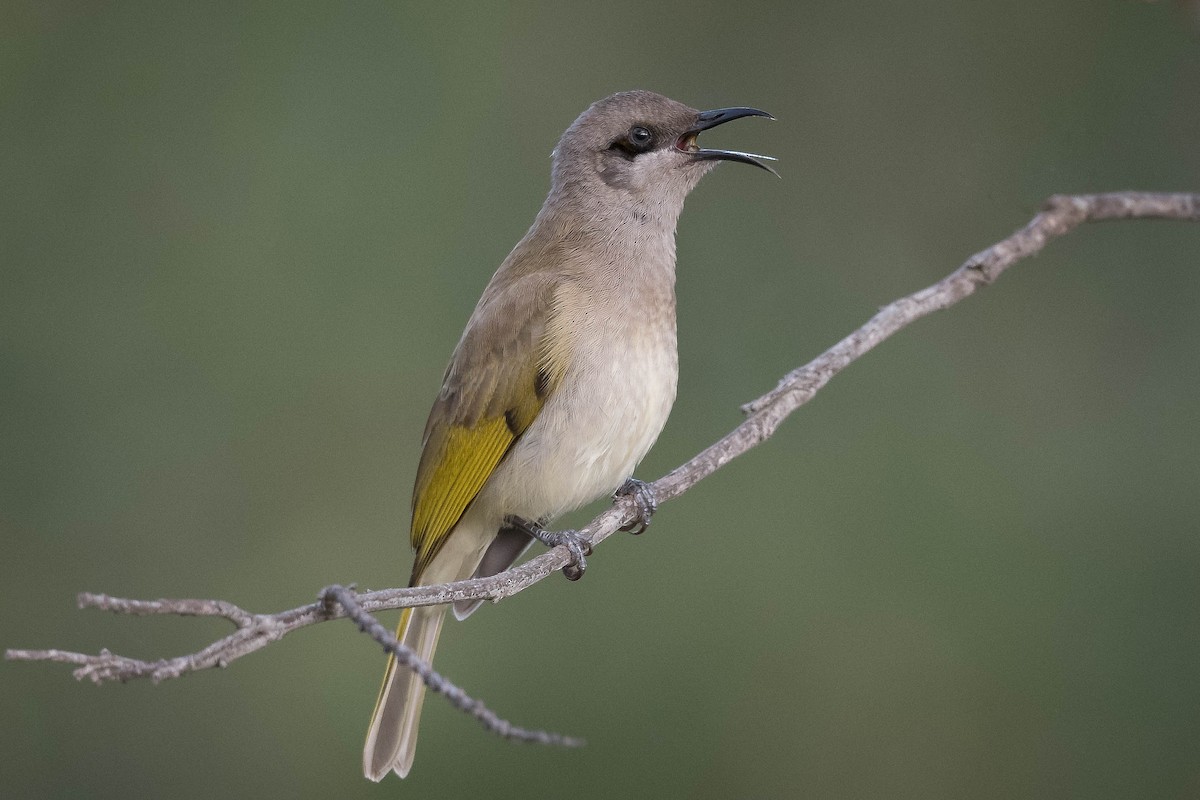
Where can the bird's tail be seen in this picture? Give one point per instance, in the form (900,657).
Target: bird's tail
(392,737)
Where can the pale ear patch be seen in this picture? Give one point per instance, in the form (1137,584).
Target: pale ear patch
(666,170)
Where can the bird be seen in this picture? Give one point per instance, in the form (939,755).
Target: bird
(564,375)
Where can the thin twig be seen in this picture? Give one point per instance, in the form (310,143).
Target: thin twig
(1060,215)
(341,596)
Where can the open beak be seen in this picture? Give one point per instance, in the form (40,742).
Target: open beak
(711,119)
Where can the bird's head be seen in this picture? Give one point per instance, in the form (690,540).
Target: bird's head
(642,147)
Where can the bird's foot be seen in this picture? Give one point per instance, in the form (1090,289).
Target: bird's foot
(643,500)
(578,546)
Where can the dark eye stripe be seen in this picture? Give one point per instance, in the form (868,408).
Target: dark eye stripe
(637,140)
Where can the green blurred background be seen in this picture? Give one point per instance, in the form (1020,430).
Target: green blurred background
(238,243)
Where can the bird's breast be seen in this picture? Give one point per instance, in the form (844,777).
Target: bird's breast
(602,419)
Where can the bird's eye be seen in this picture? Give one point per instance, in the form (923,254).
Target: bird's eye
(641,138)
(634,142)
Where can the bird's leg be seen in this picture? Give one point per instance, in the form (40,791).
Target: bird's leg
(643,499)
(578,546)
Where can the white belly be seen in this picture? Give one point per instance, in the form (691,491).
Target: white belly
(593,430)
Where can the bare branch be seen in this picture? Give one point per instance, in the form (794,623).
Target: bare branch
(1060,215)
(181,608)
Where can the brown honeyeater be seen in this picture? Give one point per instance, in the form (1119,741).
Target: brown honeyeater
(564,375)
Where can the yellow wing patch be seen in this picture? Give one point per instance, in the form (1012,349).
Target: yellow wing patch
(468,457)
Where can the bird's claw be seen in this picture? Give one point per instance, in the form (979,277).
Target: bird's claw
(577,545)
(643,500)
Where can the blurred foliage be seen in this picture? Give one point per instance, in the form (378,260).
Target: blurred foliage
(239,241)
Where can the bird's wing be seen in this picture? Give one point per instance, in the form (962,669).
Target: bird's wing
(498,380)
